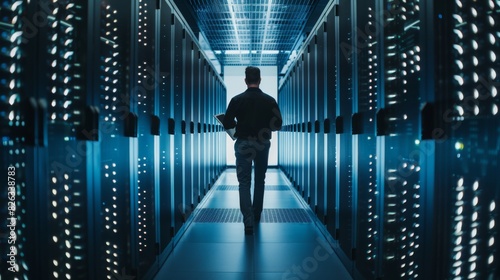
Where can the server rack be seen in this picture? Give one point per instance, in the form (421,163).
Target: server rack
(467,132)
(176,109)
(319,124)
(412,88)
(398,124)
(143,101)
(344,104)
(89,135)
(17,146)
(364,131)
(165,196)
(114,107)
(195,130)
(188,138)
(331,93)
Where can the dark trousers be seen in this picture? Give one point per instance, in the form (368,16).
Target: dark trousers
(248,152)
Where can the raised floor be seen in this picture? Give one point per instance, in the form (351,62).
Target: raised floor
(287,244)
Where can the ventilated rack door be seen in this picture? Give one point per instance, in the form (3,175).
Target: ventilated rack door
(63,84)
(398,125)
(166,127)
(188,160)
(18,115)
(319,125)
(312,116)
(296,92)
(202,128)
(468,194)
(331,94)
(283,156)
(301,93)
(306,136)
(208,122)
(343,129)
(177,106)
(143,101)
(220,135)
(114,209)
(364,131)
(197,189)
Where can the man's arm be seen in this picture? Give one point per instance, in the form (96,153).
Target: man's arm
(229,116)
(276,119)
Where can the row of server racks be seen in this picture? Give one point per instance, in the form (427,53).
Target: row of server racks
(394,105)
(108,136)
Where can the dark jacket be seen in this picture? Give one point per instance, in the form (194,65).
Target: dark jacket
(257,115)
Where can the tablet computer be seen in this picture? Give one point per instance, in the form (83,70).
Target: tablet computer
(231,131)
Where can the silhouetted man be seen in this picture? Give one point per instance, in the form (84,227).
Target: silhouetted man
(257,115)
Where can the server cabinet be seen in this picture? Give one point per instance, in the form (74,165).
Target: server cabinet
(289,115)
(366,46)
(332,55)
(306,138)
(466,139)
(166,207)
(292,122)
(113,225)
(312,112)
(76,218)
(52,119)
(208,122)
(65,179)
(412,88)
(86,108)
(21,136)
(188,137)
(197,191)
(298,126)
(319,127)
(346,234)
(176,113)
(302,172)
(398,126)
(203,127)
(283,161)
(144,104)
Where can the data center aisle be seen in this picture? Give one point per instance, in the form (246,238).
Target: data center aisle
(286,244)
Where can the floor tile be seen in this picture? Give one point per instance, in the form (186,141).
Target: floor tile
(286,233)
(214,233)
(195,275)
(211,257)
(224,199)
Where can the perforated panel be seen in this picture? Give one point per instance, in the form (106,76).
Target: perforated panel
(225,215)
(475,131)
(368,199)
(402,189)
(65,87)
(143,97)
(114,165)
(267,188)
(14,154)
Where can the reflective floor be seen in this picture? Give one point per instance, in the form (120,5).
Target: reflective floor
(285,245)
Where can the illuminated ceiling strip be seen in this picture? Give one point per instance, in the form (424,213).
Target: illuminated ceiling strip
(268,17)
(233,18)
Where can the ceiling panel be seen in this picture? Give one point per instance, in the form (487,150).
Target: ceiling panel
(257,32)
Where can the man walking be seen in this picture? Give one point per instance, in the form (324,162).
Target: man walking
(257,115)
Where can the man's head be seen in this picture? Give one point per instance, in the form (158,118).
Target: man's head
(252,76)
